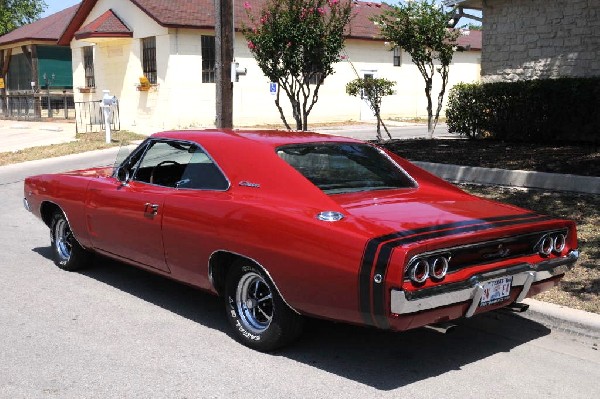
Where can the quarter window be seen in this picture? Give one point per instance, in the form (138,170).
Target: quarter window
(149,58)
(208,59)
(88,66)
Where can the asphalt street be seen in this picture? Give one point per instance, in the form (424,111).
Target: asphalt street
(114,331)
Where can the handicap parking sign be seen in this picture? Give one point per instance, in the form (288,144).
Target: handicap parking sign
(273,88)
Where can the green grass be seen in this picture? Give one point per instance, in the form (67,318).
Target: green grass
(84,142)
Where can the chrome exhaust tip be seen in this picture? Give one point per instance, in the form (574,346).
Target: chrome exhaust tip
(443,328)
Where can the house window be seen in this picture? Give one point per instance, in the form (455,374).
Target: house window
(316,78)
(397,56)
(88,66)
(149,58)
(208,59)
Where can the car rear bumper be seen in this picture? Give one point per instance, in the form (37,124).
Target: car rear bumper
(523,275)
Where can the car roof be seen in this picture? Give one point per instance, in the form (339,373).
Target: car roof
(273,138)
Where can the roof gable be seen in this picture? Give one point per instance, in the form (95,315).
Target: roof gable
(106,25)
(46,29)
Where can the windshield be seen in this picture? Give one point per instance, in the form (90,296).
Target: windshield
(338,168)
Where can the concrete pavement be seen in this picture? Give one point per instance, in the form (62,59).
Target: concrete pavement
(576,321)
(18,135)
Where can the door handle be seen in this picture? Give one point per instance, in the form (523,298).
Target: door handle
(150,209)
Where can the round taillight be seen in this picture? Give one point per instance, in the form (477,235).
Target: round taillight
(438,267)
(559,243)
(546,246)
(419,271)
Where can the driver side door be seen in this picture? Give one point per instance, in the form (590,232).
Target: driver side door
(124,218)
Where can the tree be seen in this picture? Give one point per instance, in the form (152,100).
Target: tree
(421,29)
(14,13)
(372,90)
(296,43)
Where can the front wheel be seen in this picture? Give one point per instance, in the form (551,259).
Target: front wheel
(260,318)
(68,254)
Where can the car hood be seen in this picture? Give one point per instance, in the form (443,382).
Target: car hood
(412,209)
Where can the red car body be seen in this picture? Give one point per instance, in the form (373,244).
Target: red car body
(360,269)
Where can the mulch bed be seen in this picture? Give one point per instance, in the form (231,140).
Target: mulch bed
(570,159)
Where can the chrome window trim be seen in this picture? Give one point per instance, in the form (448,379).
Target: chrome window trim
(414,185)
(166,140)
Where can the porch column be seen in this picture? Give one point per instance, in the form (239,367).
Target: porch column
(5,56)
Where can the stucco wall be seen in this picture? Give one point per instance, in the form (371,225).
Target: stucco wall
(181,100)
(530,39)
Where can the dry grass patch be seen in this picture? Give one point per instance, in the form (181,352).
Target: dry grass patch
(580,288)
(84,142)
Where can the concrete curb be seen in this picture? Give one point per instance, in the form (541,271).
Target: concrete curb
(516,178)
(563,318)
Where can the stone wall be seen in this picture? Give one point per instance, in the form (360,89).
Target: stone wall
(531,39)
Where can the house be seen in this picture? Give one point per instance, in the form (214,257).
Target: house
(158,58)
(31,60)
(531,39)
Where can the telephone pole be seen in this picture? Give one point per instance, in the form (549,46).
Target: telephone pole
(224,57)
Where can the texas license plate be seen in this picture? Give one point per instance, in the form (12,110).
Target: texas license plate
(496,290)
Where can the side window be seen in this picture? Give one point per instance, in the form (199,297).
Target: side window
(149,58)
(397,56)
(179,165)
(88,66)
(208,58)
(163,163)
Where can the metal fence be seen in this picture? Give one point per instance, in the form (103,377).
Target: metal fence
(36,106)
(90,117)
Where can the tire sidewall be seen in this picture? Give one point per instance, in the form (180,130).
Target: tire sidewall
(77,258)
(266,340)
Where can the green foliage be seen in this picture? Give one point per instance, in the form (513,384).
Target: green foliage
(421,29)
(14,13)
(372,90)
(295,42)
(539,111)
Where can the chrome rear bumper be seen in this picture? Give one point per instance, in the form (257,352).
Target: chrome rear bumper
(524,275)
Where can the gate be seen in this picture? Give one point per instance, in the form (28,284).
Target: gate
(89,117)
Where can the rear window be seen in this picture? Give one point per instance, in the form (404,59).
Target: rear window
(338,168)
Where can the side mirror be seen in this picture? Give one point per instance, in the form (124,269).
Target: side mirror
(122,175)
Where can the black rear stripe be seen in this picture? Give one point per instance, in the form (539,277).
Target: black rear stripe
(373,294)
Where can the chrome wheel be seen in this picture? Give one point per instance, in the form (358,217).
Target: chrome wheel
(254,302)
(63,240)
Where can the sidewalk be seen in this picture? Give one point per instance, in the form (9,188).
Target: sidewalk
(18,135)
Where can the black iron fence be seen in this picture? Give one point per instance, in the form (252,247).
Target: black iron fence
(37,106)
(90,117)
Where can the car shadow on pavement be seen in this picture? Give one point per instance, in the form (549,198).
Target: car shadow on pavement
(383,360)
(388,360)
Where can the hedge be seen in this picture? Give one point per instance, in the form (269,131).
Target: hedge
(539,111)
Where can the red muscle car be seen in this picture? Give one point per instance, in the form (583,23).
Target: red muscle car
(285,225)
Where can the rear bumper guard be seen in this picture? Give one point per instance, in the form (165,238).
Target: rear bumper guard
(524,275)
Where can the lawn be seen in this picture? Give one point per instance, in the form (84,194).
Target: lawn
(84,142)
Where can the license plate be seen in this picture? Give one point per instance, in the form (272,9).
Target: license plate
(496,291)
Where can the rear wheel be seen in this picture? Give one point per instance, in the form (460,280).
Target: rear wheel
(68,254)
(260,318)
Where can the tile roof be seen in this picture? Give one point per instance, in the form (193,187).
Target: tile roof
(200,14)
(106,25)
(46,29)
(471,40)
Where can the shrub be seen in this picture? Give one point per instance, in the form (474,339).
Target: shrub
(540,111)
